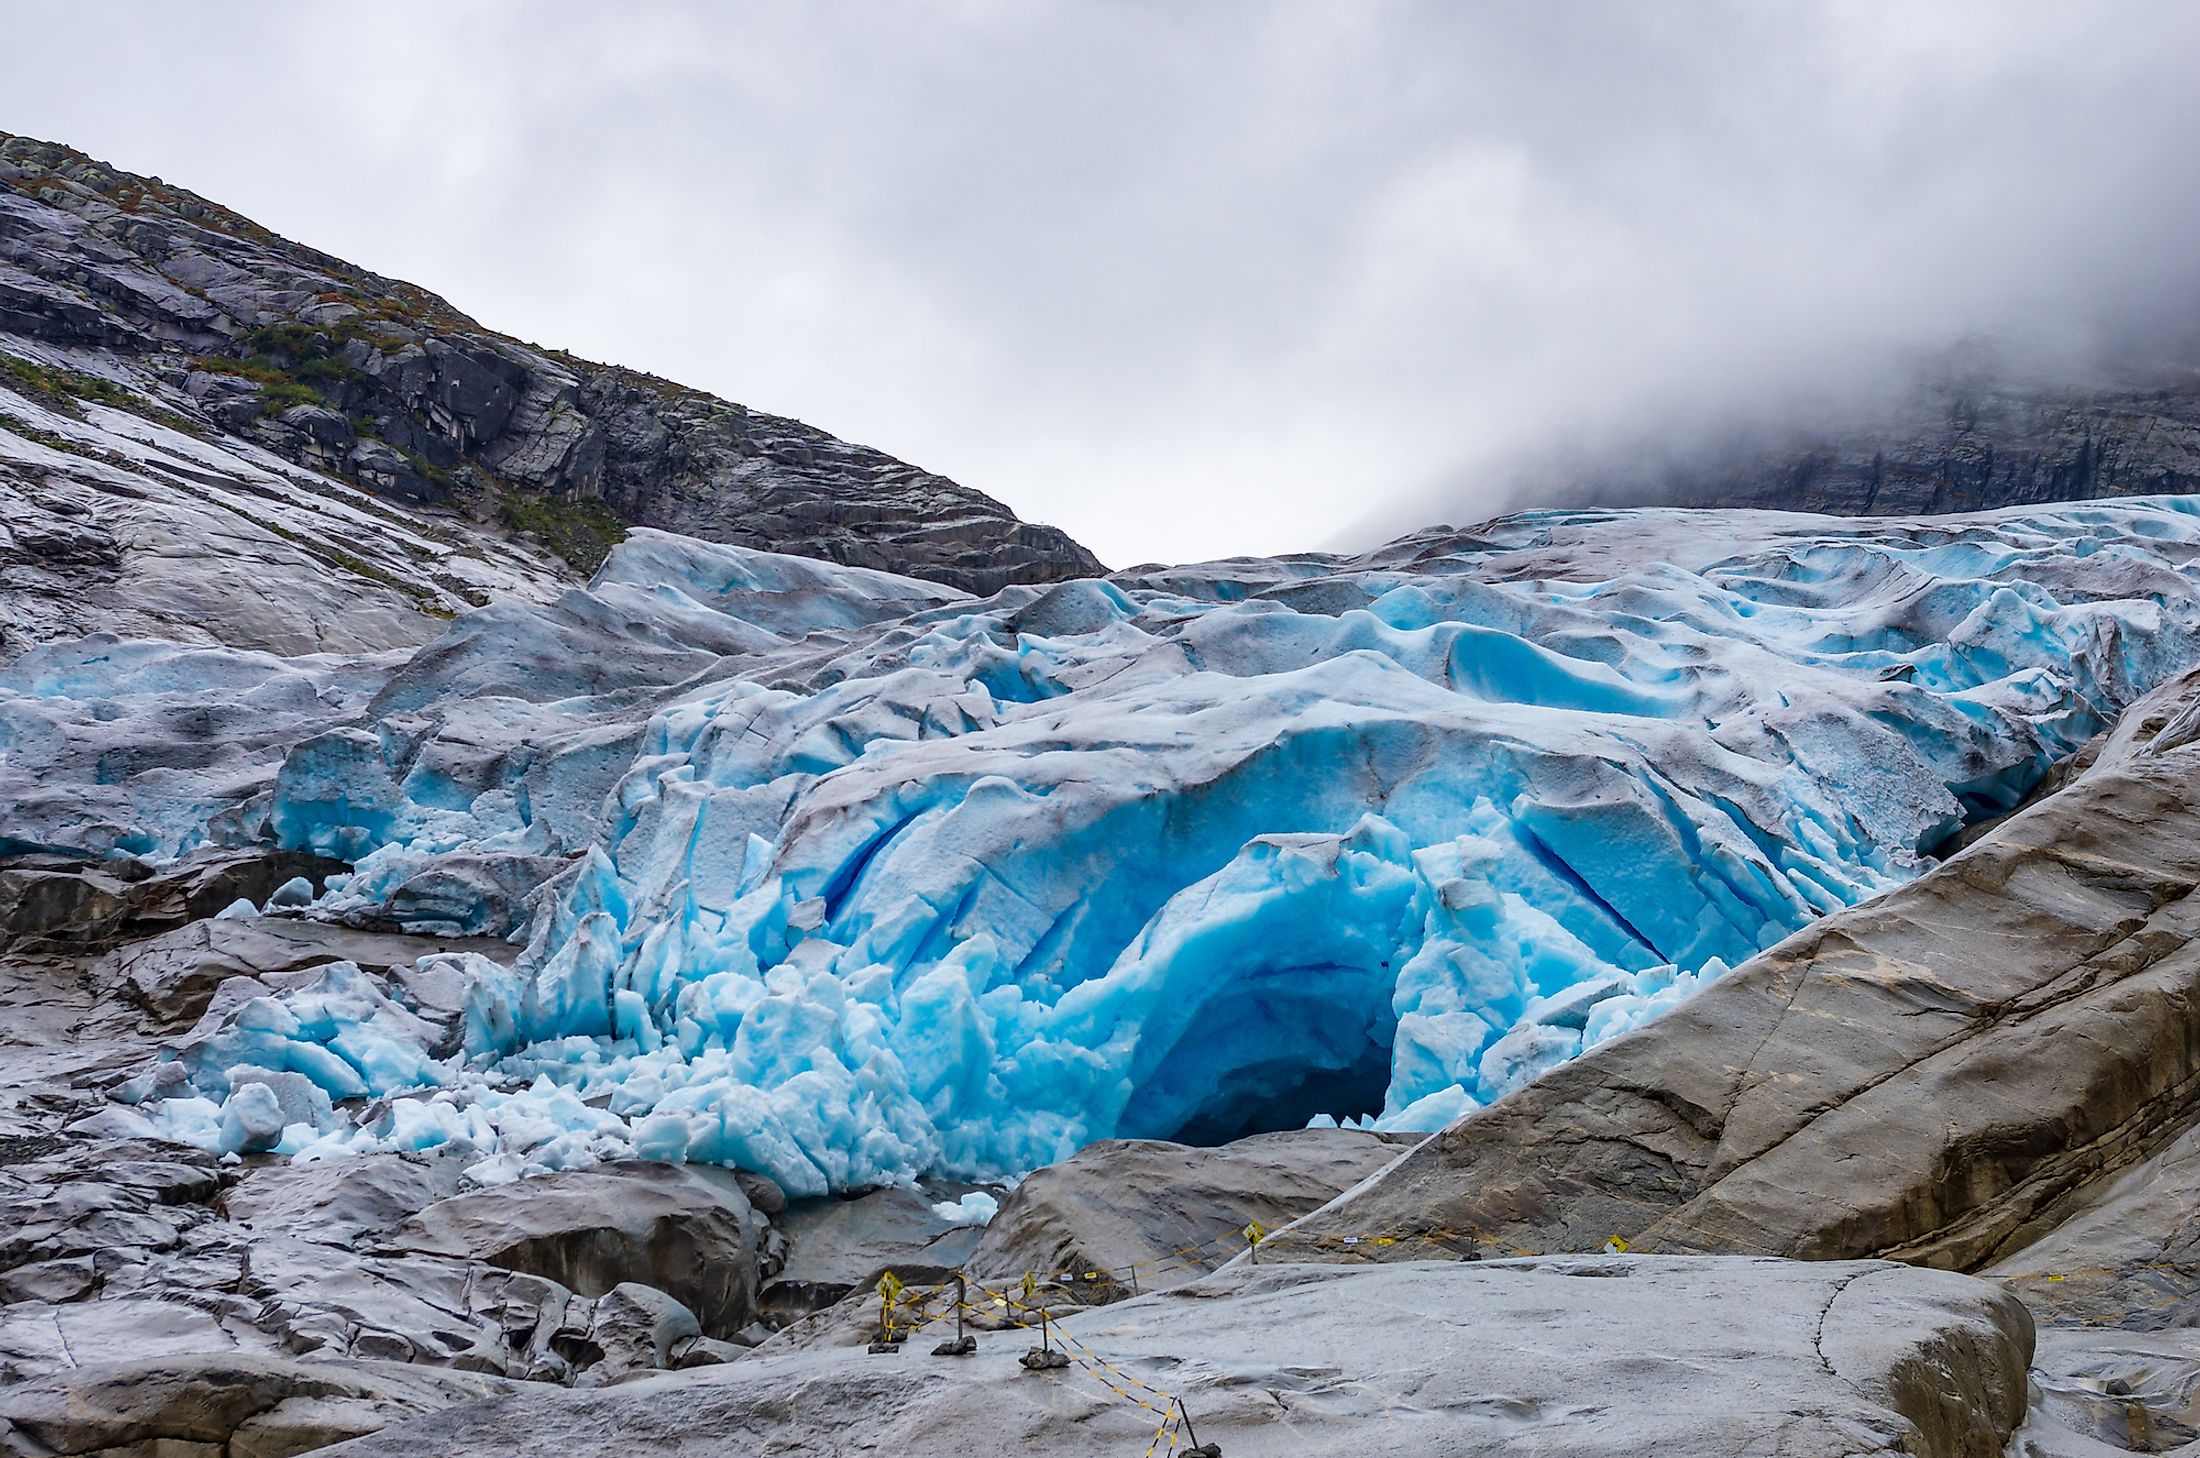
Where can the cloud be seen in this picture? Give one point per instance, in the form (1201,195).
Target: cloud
(1192,280)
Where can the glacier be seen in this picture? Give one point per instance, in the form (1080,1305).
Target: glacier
(848,878)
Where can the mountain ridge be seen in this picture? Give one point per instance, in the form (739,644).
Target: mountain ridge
(387,386)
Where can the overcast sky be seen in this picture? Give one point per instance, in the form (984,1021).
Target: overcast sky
(1190,279)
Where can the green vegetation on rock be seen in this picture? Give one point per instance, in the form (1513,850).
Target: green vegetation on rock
(582,532)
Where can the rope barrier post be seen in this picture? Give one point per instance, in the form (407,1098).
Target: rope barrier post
(889,1289)
(1198,1449)
(1044,1357)
(964,1344)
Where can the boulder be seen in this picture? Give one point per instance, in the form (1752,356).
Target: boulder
(1712,1358)
(688,1232)
(639,1328)
(1130,1213)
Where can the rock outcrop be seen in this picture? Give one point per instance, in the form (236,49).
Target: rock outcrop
(1127,1213)
(146,296)
(689,1233)
(1969,435)
(49,901)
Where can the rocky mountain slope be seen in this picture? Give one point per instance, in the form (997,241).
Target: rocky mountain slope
(1970,434)
(177,308)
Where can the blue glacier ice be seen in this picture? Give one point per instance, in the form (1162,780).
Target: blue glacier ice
(853,878)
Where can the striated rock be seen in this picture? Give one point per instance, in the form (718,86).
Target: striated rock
(687,1232)
(226,1406)
(1140,1212)
(131,518)
(2128,1252)
(226,328)
(1714,1358)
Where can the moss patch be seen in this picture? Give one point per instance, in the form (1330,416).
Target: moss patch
(582,532)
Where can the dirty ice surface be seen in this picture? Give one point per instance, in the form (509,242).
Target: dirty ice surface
(846,878)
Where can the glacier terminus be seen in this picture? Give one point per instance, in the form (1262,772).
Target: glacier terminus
(849,878)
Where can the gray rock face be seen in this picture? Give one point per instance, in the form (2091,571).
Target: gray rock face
(227,1406)
(173,977)
(1562,1357)
(52,902)
(1139,1213)
(1970,437)
(385,386)
(2099,1391)
(688,1232)
(118,1253)
(1941,1074)
(2128,1253)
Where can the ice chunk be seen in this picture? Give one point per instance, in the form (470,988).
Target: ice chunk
(252,1119)
(297,891)
(975,1208)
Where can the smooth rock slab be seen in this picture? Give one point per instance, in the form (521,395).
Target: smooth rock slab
(234,1405)
(1709,1358)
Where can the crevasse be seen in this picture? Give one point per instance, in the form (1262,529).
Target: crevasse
(862,879)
